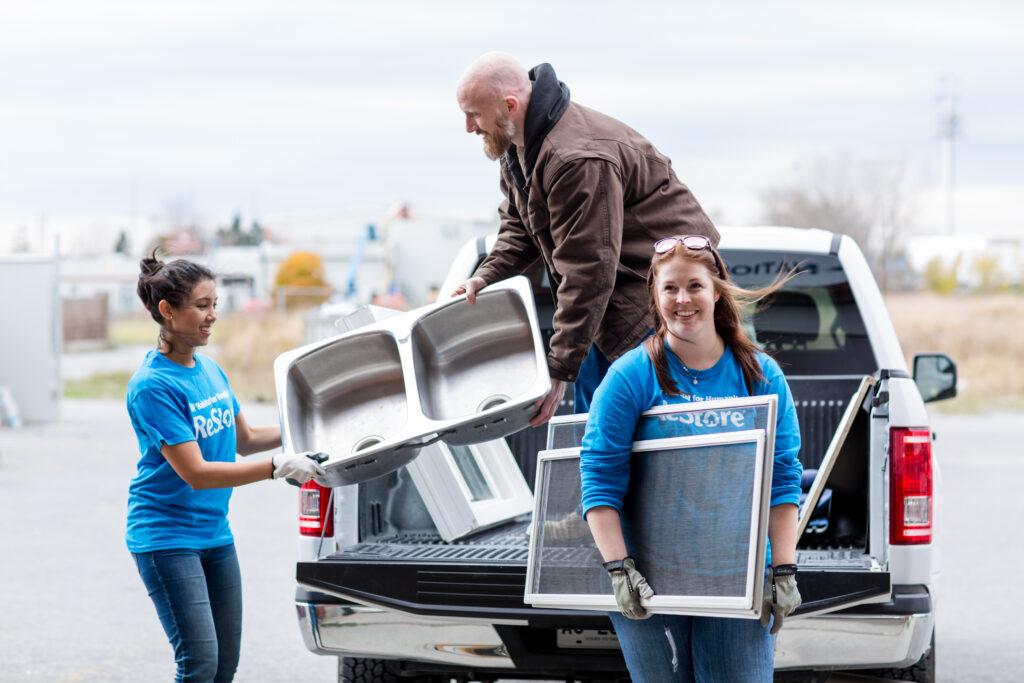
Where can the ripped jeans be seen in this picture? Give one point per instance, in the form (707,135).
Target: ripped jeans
(696,649)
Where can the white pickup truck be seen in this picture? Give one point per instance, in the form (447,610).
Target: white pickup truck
(381,588)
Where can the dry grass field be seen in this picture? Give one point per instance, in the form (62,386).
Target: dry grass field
(246,347)
(983,334)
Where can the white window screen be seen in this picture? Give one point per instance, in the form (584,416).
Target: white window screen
(695,516)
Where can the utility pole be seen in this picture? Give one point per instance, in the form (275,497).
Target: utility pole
(949,125)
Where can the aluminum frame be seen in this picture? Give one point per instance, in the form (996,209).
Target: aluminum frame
(746,606)
(566,431)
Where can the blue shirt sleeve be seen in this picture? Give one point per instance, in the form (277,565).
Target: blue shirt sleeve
(608,441)
(786,470)
(160,416)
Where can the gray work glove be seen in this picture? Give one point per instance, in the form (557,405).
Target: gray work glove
(781,596)
(570,527)
(298,468)
(629,586)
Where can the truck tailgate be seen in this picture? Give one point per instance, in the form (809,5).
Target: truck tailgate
(485,577)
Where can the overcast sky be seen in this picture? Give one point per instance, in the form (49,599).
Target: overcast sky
(114,111)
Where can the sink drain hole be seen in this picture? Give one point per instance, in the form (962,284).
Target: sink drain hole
(367,442)
(492,402)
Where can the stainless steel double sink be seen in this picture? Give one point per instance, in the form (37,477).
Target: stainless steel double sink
(372,397)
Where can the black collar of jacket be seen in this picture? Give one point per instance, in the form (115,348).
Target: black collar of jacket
(548,101)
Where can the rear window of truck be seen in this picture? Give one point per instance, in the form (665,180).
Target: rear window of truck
(812,325)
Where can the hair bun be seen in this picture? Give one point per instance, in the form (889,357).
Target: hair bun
(171,282)
(150,265)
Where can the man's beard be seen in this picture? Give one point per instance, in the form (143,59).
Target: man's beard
(497,142)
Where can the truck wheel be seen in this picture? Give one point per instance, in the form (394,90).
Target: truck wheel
(921,672)
(359,670)
(362,670)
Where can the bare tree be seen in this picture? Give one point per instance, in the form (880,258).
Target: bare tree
(868,199)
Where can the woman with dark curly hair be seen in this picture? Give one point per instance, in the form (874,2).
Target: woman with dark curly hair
(189,427)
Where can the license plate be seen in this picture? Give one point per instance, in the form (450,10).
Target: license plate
(587,638)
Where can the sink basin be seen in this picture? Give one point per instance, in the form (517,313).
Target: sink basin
(346,396)
(469,359)
(373,396)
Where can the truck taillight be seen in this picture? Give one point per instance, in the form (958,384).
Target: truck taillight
(316,510)
(910,486)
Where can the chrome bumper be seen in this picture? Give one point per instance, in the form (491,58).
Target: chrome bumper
(379,634)
(816,642)
(853,641)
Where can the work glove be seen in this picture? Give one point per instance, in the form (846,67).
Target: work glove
(781,596)
(629,586)
(569,528)
(298,468)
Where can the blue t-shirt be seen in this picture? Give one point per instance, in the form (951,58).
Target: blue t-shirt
(169,403)
(631,387)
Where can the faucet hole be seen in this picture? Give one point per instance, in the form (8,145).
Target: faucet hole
(492,402)
(367,442)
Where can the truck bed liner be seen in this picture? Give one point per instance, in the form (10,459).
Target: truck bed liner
(505,544)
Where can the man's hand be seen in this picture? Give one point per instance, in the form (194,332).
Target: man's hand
(549,404)
(781,596)
(470,287)
(630,587)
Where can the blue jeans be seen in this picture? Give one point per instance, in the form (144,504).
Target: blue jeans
(198,597)
(706,649)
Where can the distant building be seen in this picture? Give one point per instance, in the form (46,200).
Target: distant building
(407,257)
(973,256)
(30,351)
(113,275)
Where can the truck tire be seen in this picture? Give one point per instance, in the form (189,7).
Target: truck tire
(363,670)
(360,670)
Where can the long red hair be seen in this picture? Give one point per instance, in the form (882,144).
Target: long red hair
(727,316)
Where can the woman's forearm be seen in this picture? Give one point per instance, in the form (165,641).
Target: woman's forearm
(782,523)
(222,475)
(606,528)
(261,439)
(199,473)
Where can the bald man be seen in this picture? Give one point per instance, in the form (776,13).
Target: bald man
(588,195)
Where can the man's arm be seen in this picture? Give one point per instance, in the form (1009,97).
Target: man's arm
(586,228)
(514,250)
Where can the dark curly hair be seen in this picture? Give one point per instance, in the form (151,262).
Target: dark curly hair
(172,282)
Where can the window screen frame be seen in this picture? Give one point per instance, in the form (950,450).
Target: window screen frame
(746,606)
(768,402)
(448,497)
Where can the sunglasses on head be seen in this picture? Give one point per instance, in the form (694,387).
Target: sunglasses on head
(695,242)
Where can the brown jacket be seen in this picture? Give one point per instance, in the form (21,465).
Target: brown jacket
(596,197)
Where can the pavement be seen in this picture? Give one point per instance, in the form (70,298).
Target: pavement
(72,606)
